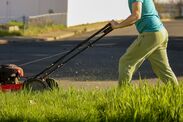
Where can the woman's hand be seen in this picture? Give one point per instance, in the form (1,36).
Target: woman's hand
(132,19)
(114,24)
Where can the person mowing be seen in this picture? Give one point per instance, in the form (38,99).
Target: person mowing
(151,43)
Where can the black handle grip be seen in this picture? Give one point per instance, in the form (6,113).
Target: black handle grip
(108,28)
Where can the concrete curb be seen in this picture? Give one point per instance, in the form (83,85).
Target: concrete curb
(61,36)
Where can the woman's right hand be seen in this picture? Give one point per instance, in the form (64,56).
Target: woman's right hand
(114,24)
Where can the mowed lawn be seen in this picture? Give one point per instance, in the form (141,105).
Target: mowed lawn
(130,103)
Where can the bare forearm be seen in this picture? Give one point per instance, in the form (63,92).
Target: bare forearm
(134,17)
(128,22)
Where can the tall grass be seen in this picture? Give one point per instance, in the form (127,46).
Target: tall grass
(143,103)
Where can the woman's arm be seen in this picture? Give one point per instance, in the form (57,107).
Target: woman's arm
(134,17)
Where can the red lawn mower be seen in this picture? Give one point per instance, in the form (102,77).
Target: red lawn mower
(9,77)
(10,74)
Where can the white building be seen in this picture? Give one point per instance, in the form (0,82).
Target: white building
(168,1)
(76,11)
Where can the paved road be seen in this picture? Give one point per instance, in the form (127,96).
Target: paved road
(99,63)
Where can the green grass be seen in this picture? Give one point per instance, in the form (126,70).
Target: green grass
(15,23)
(36,30)
(6,33)
(30,31)
(144,103)
(4,29)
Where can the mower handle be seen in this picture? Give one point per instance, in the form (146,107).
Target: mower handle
(87,43)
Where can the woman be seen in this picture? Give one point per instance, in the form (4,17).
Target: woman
(151,43)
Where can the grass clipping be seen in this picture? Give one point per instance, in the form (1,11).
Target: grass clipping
(155,103)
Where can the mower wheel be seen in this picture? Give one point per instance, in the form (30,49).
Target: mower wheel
(35,85)
(52,83)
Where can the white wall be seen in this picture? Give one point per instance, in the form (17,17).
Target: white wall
(19,8)
(58,6)
(3,8)
(78,11)
(90,11)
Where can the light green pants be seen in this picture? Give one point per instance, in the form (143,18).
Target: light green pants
(151,46)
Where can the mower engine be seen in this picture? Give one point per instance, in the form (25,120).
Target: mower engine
(9,77)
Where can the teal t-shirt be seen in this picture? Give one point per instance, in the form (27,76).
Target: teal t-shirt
(150,20)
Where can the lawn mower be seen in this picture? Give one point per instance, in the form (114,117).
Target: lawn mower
(10,73)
